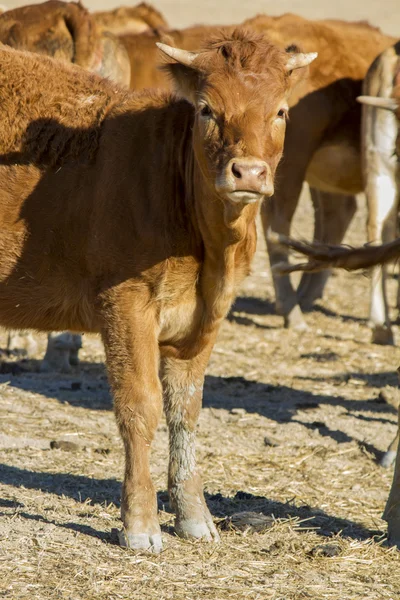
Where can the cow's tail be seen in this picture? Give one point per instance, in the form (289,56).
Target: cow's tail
(325,256)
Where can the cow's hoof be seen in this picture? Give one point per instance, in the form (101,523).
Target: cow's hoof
(394,532)
(388,458)
(295,320)
(382,335)
(193,528)
(140,541)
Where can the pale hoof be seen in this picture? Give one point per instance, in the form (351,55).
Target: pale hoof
(388,459)
(382,335)
(192,528)
(140,541)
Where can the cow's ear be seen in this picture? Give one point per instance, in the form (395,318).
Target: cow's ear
(185,76)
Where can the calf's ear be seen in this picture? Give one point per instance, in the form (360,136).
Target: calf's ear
(184,75)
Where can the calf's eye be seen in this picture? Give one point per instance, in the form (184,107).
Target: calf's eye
(282,113)
(206,111)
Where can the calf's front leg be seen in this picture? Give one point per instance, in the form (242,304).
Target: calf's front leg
(183,390)
(130,339)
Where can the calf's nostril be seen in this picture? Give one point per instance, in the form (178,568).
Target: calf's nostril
(236,171)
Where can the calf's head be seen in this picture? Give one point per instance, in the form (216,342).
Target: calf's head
(239,85)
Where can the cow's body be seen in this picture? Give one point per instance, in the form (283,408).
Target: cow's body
(324,125)
(131,19)
(67,32)
(134,216)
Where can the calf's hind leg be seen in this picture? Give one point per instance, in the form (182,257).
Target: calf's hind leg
(183,390)
(130,339)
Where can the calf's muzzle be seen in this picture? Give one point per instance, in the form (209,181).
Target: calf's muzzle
(247,179)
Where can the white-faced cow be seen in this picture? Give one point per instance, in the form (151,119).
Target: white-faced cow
(134,215)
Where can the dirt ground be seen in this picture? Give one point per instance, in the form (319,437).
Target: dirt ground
(292,428)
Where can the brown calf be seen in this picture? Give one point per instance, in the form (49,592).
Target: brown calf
(66,31)
(322,144)
(133,215)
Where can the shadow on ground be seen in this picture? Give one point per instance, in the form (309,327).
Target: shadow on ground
(92,491)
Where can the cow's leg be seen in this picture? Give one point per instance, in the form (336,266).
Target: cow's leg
(183,390)
(130,339)
(74,351)
(277,215)
(390,455)
(378,143)
(382,216)
(392,509)
(22,340)
(333,214)
(61,352)
(301,141)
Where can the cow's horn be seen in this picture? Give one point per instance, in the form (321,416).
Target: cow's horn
(388,103)
(299,59)
(182,56)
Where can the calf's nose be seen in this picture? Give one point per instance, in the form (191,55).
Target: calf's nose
(251,176)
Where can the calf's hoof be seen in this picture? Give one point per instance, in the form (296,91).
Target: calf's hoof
(141,541)
(197,529)
(382,335)
(388,458)
(295,320)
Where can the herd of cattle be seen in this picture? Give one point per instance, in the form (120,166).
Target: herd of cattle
(134,214)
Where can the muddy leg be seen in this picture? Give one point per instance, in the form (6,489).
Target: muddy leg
(183,391)
(130,339)
(392,509)
(333,214)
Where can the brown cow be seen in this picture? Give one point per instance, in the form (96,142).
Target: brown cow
(131,19)
(66,31)
(134,215)
(324,124)
(320,257)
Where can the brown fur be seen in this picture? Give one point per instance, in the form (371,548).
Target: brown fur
(66,31)
(113,220)
(131,19)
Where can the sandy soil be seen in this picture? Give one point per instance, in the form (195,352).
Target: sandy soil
(292,427)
